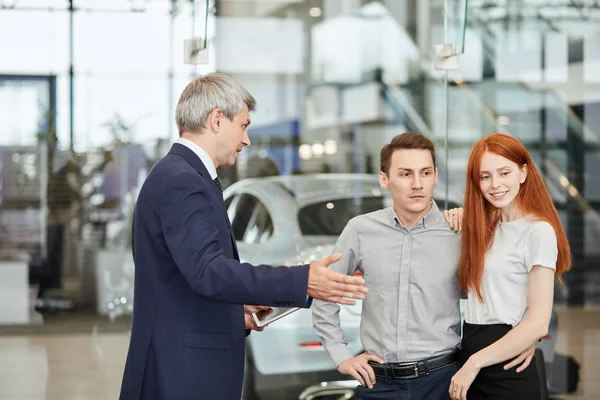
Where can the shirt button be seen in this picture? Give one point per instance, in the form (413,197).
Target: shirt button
(403,287)
(401,342)
(402,314)
(405,262)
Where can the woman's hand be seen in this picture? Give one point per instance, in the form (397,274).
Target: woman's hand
(462,380)
(454,218)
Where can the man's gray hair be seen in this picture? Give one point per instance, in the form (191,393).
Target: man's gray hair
(204,94)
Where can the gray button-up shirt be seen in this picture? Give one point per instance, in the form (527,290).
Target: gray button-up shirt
(412,309)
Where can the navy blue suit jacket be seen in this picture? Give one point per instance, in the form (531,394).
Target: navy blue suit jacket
(188,336)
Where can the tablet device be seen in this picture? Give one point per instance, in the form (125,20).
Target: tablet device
(278,313)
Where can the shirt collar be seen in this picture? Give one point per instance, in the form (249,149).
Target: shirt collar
(427,221)
(203,155)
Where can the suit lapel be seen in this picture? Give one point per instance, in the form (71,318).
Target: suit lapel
(195,161)
(233,243)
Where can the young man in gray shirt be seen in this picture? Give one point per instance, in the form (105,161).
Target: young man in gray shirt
(408,256)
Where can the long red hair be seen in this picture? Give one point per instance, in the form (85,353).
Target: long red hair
(481,218)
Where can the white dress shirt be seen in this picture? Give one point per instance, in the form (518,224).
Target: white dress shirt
(203,155)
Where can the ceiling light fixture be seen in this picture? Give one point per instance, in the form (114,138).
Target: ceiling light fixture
(9,3)
(138,5)
(315,12)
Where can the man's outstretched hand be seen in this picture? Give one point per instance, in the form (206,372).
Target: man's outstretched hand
(328,285)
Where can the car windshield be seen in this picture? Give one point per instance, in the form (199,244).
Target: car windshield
(329,217)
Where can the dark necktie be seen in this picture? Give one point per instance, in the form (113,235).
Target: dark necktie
(218,183)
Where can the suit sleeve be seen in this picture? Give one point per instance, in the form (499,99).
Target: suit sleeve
(188,219)
(326,316)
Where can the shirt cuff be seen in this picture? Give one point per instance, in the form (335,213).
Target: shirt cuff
(339,352)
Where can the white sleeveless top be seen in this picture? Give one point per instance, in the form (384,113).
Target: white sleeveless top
(517,246)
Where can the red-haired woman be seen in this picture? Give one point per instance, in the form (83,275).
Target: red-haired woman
(513,243)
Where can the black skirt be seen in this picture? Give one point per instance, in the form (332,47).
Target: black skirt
(493,382)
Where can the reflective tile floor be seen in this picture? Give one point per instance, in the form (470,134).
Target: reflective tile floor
(61,367)
(579,336)
(87,365)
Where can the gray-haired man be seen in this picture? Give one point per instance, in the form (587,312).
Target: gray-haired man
(188,337)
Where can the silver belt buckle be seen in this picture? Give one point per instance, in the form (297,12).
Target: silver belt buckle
(416,370)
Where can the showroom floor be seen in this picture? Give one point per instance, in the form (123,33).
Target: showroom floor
(49,364)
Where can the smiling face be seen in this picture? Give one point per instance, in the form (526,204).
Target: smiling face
(500,181)
(411,179)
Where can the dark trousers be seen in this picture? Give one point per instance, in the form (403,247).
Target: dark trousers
(433,386)
(493,382)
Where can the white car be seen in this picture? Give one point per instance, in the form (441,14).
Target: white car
(290,220)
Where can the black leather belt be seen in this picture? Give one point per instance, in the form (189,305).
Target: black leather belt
(414,369)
